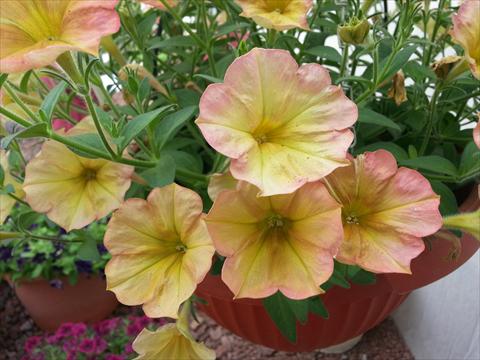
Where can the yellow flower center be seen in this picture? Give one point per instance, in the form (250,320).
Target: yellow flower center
(275,221)
(261,139)
(352,219)
(89,174)
(277,6)
(181,248)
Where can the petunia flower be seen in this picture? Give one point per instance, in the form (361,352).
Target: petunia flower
(476,132)
(6,201)
(169,342)
(466,33)
(160,250)
(159,5)
(386,212)
(281,125)
(34,33)
(71,190)
(277,14)
(220,182)
(282,242)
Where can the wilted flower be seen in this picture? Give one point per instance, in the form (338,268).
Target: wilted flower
(444,66)
(74,191)
(277,14)
(6,201)
(160,250)
(397,92)
(282,242)
(386,212)
(355,31)
(169,342)
(34,33)
(466,32)
(281,125)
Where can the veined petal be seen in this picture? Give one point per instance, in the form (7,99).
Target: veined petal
(160,250)
(385,212)
(34,33)
(283,242)
(277,14)
(277,140)
(169,342)
(466,32)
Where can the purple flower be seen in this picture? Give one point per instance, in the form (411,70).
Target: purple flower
(53,339)
(102,249)
(128,349)
(143,321)
(84,266)
(64,330)
(38,258)
(56,283)
(87,346)
(106,326)
(114,357)
(71,355)
(134,329)
(100,345)
(5,253)
(31,343)
(79,329)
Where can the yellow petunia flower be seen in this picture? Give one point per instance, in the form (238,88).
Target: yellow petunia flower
(386,212)
(282,242)
(466,32)
(71,190)
(160,250)
(277,14)
(33,33)
(282,125)
(7,202)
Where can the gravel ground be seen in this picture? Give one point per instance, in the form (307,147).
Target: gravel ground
(381,343)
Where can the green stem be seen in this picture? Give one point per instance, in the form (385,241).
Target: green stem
(67,63)
(436,27)
(271,38)
(12,93)
(343,65)
(98,126)
(14,117)
(431,116)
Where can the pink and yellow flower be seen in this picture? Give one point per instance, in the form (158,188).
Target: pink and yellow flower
(281,125)
(219,183)
(6,201)
(282,242)
(476,132)
(33,33)
(466,33)
(277,14)
(71,190)
(160,250)
(169,342)
(386,212)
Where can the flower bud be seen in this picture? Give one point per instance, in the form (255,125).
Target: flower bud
(355,31)
(466,222)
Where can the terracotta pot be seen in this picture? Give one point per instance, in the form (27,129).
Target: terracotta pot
(351,311)
(86,301)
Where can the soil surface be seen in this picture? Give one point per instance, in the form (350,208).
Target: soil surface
(382,343)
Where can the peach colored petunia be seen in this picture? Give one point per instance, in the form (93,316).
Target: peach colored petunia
(277,14)
(282,242)
(219,183)
(476,132)
(281,125)
(6,201)
(71,190)
(466,32)
(386,212)
(169,342)
(160,250)
(159,5)
(33,33)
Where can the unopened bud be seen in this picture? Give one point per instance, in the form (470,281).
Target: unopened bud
(466,222)
(354,32)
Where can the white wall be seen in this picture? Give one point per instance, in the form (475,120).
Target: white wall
(442,321)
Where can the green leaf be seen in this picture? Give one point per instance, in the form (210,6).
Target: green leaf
(325,52)
(137,124)
(280,311)
(88,70)
(162,174)
(37,130)
(364,277)
(470,159)
(92,140)
(396,150)
(400,59)
(88,251)
(368,116)
(51,100)
(25,80)
(228,28)
(316,306)
(418,71)
(209,78)
(3,78)
(448,202)
(104,118)
(168,127)
(432,163)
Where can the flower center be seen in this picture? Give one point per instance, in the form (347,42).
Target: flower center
(89,174)
(275,221)
(260,139)
(352,219)
(181,248)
